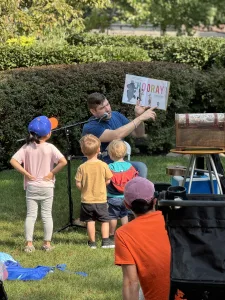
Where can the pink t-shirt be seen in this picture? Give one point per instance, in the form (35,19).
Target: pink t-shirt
(38,160)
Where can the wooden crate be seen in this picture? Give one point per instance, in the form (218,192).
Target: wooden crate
(200,131)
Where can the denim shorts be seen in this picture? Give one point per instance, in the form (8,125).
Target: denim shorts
(94,212)
(117,208)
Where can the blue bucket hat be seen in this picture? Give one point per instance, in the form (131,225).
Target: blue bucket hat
(42,125)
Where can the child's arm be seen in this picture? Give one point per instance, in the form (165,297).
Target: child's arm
(62,162)
(78,178)
(108,175)
(16,165)
(78,184)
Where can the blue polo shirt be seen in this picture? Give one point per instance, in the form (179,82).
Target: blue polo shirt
(97,128)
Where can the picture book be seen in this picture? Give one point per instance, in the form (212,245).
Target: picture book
(151,92)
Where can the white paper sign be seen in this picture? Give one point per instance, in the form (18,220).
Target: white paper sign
(151,92)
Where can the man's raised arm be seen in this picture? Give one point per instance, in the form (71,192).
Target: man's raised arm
(135,126)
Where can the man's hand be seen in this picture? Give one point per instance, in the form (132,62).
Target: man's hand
(148,114)
(139,109)
(49,177)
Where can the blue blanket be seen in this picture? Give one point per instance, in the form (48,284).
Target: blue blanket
(17,272)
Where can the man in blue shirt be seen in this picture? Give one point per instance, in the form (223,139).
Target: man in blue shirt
(114,125)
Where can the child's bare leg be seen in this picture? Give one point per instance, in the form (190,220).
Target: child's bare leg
(112,226)
(105,230)
(91,230)
(124,220)
(29,243)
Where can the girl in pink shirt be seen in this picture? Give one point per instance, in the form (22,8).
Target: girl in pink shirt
(39,161)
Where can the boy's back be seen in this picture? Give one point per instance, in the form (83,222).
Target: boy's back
(91,179)
(93,176)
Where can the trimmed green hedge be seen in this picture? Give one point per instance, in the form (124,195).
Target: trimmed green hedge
(198,52)
(218,59)
(201,53)
(61,91)
(17,56)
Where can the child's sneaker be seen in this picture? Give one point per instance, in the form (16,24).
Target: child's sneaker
(92,245)
(111,237)
(107,243)
(47,248)
(29,249)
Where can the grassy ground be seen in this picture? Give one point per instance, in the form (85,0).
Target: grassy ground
(104,280)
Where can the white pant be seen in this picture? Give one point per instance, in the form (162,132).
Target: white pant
(43,196)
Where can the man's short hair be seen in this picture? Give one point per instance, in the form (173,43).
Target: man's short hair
(95,99)
(89,144)
(117,149)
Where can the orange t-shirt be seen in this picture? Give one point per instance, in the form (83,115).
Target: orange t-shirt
(144,242)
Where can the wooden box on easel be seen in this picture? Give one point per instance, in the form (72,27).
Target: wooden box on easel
(200,131)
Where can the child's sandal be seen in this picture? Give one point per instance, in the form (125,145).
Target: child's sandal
(47,248)
(29,249)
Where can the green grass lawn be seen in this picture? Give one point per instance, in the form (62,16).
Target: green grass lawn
(104,280)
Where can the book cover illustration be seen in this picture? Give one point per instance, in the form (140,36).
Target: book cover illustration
(150,92)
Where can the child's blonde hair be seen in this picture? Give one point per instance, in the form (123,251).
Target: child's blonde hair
(117,149)
(89,144)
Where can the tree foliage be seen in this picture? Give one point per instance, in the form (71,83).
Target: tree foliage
(24,17)
(182,14)
(40,17)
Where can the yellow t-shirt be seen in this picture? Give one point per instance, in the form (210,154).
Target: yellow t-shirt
(93,176)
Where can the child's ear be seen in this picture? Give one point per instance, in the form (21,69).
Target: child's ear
(49,135)
(154,201)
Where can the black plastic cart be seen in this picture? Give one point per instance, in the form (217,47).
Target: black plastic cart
(197,235)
